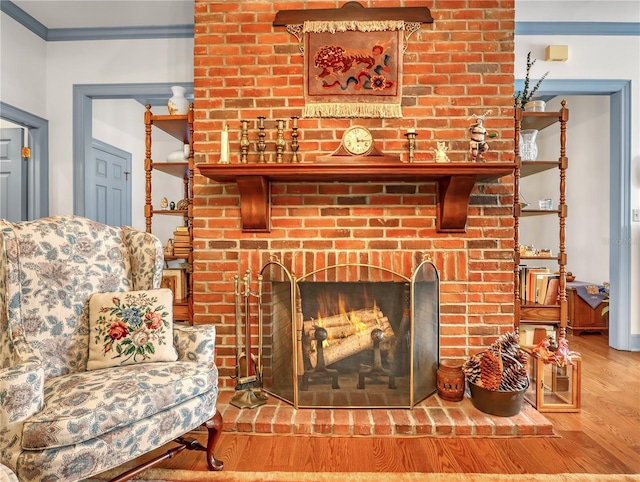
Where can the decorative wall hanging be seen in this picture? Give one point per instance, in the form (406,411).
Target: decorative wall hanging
(353,57)
(353,69)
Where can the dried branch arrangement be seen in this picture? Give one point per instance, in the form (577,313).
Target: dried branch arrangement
(500,368)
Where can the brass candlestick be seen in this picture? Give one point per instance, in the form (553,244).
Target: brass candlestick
(411,135)
(280,141)
(244,142)
(262,145)
(294,140)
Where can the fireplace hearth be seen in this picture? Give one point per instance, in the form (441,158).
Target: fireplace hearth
(351,336)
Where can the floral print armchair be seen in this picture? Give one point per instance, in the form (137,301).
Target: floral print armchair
(58,420)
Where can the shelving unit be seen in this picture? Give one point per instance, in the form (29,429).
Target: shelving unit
(536,313)
(181,128)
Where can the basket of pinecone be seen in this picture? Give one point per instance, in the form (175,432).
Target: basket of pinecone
(498,377)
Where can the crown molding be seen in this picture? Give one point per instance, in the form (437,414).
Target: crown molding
(597,29)
(99,33)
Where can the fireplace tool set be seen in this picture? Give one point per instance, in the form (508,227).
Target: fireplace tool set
(248,366)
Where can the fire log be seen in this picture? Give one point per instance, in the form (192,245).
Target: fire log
(365,315)
(339,349)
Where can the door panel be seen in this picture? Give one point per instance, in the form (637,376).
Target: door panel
(111,201)
(13,175)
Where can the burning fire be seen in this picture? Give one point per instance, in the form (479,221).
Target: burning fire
(348,321)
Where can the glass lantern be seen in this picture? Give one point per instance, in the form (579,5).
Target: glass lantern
(553,388)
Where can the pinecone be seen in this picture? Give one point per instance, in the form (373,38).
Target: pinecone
(471,369)
(514,378)
(522,357)
(491,367)
(508,344)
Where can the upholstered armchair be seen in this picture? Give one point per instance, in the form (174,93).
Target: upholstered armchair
(86,386)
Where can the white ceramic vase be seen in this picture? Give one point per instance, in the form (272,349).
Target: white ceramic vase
(178,104)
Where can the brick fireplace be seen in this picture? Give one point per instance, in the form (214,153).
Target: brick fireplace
(460,65)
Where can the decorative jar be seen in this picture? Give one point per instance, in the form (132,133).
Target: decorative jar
(450,381)
(535,106)
(527,145)
(178,104)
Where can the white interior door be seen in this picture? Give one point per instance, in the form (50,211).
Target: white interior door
(13,175)
(111,174)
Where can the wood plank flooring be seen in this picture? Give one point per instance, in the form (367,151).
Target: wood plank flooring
(604,438)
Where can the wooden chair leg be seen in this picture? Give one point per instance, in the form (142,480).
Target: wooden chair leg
(214,426)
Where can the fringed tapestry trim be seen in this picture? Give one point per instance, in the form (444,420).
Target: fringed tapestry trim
(333,26)
(352,110)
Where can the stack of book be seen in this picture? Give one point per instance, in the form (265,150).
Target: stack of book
(538,285)
(181,241)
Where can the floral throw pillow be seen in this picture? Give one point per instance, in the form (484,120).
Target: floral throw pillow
(127,327)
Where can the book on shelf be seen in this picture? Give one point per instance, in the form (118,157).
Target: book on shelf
(531,282)
(182,229)
(542,281)
(551,295)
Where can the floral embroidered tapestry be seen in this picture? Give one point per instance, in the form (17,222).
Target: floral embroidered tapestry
(353,68)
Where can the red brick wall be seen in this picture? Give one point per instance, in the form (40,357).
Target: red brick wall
(460,65)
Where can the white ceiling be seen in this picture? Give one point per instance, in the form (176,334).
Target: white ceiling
(108,13)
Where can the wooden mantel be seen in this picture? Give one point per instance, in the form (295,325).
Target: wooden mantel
(454,181)
(353,11)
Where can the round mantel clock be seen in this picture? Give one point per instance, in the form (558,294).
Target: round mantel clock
(357,145)
(357,140)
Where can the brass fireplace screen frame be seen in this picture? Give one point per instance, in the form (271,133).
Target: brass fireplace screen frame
(279,366)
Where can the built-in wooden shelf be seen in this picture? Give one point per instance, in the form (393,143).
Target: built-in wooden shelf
(178,169)
(539,120)
(454,182)
(174,125)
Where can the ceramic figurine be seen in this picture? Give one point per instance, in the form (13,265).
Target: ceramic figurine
(164,203)
(440,153)
(477,145)
(172,205)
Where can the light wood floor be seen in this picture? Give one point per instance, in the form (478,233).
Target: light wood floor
(604,438)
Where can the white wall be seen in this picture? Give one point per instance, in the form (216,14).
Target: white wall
(577,11)
(590,57)
(23,77)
